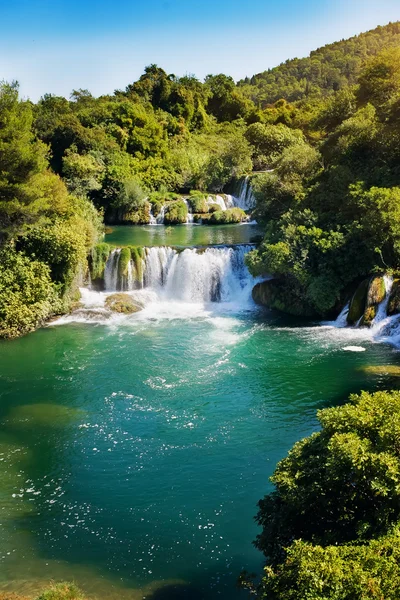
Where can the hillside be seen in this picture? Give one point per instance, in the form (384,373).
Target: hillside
(327,69)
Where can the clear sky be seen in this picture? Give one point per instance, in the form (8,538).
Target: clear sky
(56,46)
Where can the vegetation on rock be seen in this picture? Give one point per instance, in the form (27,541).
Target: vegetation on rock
(122,303)
(176,213)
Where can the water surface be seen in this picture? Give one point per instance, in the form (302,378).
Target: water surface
(133,453)
(181,235)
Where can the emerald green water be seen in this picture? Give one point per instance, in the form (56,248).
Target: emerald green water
(181,235)
(132,455)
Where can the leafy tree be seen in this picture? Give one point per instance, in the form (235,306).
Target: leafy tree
(341,484)
(23,162)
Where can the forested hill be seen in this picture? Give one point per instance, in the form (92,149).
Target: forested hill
(327,69)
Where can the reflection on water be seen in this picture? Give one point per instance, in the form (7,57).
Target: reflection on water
(181,235)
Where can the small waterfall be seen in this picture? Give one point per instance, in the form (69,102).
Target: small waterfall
(341,320)
(160,216)
(153,220)
(246,199)
(219,200)
(382,308)
(189,218)
(156,264)
(111,270)
(192,275)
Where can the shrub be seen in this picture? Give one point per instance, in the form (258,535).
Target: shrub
(27,295)
(198,202)
(176,213)
(231,215)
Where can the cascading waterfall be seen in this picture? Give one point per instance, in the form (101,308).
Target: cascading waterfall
(192,275)
(246,199)
(189,218)
(111,270)
(384,327)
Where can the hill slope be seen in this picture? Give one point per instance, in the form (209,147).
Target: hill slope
(327,69)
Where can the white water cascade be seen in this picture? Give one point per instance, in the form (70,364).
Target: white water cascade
(384,327)
(216,274)
(246,199)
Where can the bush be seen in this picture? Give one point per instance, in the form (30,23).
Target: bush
(198,202)
(27,295)
(331,528)
(231,215)
(339,485)
(176,213)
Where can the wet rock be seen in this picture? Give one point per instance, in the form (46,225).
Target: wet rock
(394,300)
(283,296)
(122,303)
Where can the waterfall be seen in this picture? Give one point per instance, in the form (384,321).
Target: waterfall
(194,275)
(189,218)
(111,270)
(246,199)
(382,308)
(160,216)
(156,264)
(217,200)
(153,220)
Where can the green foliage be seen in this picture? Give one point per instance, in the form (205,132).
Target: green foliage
(269,141)
(341,484)
(123,262)
(97,260)
(24,182)
(331,528)
(176,213)
(198,202)
(349,572)
(231,215)
(27,295)
(131,197)
(326,70)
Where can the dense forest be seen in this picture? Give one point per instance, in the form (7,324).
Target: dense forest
(327,69)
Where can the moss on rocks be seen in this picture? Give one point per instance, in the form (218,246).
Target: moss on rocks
(231,215)
(394,299)
(283,296)
(198,203)
(97,260)
(122,303)
(358,303)
(137,258)
(376,294)
(176,213)
(123,262)
(389,370)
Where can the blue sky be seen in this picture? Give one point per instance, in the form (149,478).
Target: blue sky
(55,46)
